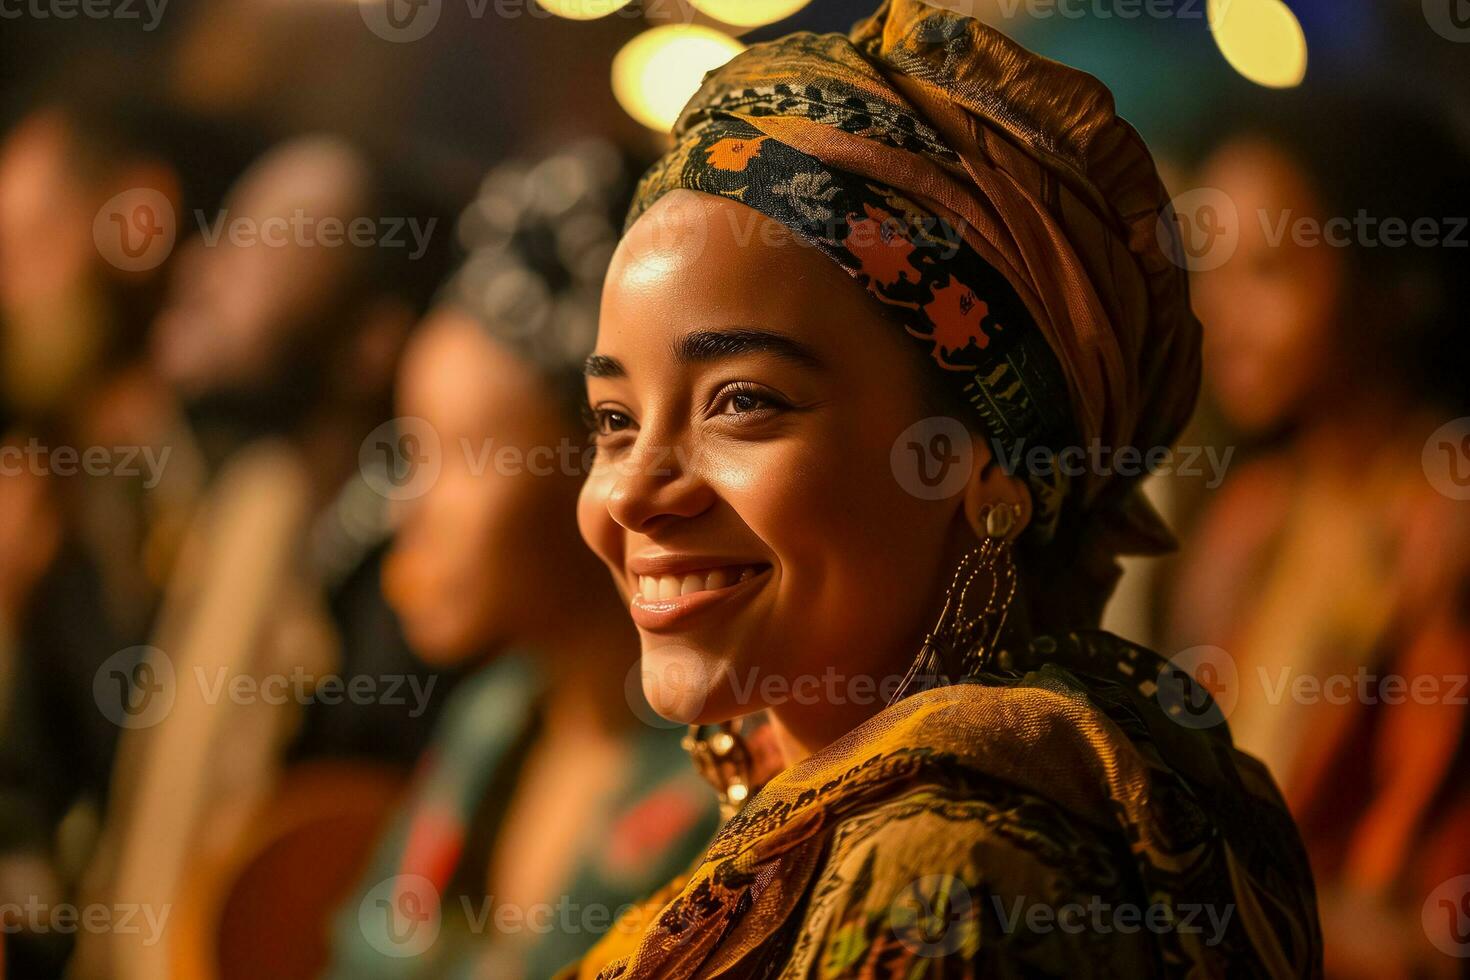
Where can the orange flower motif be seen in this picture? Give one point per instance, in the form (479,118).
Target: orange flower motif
(735,152)
(957,314)
(880,247)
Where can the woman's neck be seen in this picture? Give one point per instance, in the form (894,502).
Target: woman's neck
(801,729)
(793,749)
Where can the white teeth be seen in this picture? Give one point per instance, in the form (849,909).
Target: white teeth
(658,587)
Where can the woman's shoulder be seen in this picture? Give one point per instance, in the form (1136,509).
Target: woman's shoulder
(999,881)
(1105,731)
(1049,818)
(1057,815)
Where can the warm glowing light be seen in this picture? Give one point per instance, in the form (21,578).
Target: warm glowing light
(1261,39)
(659,71)
(583,9)
(749,13)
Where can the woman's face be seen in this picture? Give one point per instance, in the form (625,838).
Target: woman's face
(747,395)
(1270,311)
(487,547)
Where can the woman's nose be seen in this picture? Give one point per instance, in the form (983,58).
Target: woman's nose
(655,483)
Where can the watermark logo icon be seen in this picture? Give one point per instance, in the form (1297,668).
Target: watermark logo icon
(1200,230)
(135,687)
(933,916)
(1446,917)
(401,21)
(638,681)
(670,685)
(135,230)
(1450,19)
(1446,459)
(400,916)
(1199,687)
(932,458)
(401,459)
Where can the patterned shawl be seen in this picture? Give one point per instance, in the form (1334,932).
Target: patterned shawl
(1059,817)
(998,208)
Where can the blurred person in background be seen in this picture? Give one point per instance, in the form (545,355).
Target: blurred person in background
(1330,557)
(544,803)
(97,473)
(281,334)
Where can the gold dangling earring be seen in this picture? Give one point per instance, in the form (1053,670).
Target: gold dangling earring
(960,642)
(724,760)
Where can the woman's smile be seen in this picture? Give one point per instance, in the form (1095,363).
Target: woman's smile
(669,589)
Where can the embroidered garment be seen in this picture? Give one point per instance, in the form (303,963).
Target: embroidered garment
(1054,818)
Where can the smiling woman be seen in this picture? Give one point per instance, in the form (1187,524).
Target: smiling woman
(776,445)
(871,269)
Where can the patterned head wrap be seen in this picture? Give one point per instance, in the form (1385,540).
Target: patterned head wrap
(994,202)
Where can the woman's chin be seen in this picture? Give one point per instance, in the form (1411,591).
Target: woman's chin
(681,684)
(684,701)
(678,710)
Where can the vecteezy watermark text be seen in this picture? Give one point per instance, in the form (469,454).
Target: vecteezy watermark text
(137,688)
(1200,687)
(1126,461)
(1100,917)
(1363,686)
(1203,228)
(937,915)
(309,231)
(39,459)
(300,687)
(402,916)
(86,9)
(124,919)
(137,229)
(406,21)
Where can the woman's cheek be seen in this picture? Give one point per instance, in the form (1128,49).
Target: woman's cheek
(599,531)
(780,490)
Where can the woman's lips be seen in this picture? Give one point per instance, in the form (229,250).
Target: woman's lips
(664,602)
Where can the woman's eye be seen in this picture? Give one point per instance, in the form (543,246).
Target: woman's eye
(746,401)
(743,402)
(607,421)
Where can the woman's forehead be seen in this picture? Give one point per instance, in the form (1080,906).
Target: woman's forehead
(688,231)
(698,262)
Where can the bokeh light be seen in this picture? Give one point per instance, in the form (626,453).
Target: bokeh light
(749,13)
(657,72)
(582,9)
(1261,39)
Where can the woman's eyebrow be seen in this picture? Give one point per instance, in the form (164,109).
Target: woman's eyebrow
(710,345)
(602,366)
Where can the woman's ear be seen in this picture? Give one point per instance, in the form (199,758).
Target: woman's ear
(991,488)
